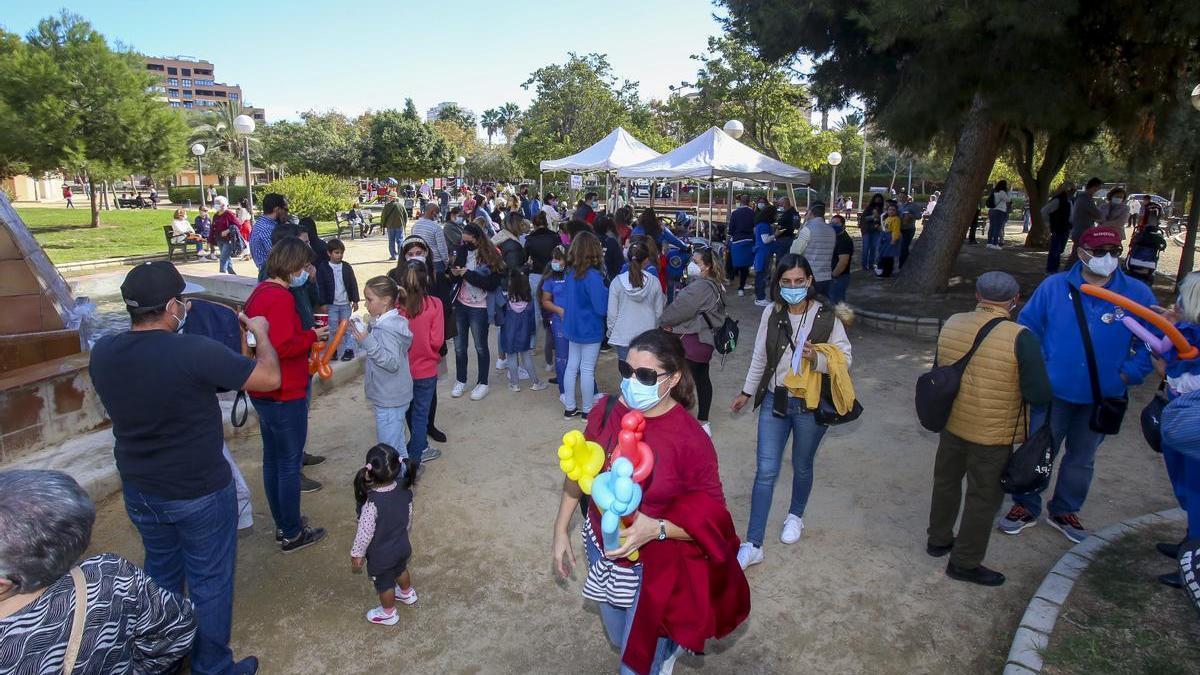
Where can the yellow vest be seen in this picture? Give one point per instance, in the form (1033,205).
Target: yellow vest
(988,409)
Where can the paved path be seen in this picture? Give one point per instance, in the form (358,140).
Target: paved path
(857,594)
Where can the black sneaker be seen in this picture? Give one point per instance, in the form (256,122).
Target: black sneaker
(307,537)
(939,551)
(348,355)
(247,666)
(303,524)
(1171,579)
(312,460)
(436,434)
(553,380)
(308,485)
(1168,549)
(573,412)
(980,575)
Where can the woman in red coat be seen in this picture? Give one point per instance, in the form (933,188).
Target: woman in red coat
(686,585)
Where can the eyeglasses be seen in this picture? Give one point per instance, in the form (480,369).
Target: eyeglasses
(647,376)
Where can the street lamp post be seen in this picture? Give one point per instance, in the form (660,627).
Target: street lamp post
(244,126)
(461,162)
(834,159)
(198,151)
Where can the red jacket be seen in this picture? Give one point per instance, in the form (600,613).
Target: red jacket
(292,343)
(691,590)
(428,330)
(223,221)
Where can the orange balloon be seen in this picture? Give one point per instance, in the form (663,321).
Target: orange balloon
(1186,350)
(337,338)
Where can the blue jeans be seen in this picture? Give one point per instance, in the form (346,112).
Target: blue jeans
(581,367)
(870,249)
(284,427)
(996,222)
(534,280)
(762,279)
(224,265)
(423,390)
(561,351)
(838,287)
(475,321)
(618,620)
(622,352)
(523,360)
(395,241)
(1069,423)
(1058,244)
(337,313)
(390,426)
(192,543)
(772,435)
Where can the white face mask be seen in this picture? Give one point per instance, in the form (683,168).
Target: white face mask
(693,269)
(1117,200)
(1103,265)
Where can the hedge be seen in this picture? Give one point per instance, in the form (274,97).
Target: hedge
(179,195)
(316,195)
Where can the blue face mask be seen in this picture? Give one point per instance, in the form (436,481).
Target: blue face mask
(299,279)
(793,296)
(639,396)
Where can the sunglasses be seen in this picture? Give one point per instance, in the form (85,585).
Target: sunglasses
(647,376)
(1105,250)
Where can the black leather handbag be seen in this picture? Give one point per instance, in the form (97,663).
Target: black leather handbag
(1107,413)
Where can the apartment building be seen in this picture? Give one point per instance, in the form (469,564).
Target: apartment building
(185,82)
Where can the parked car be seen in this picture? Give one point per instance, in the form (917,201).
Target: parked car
(1163,202)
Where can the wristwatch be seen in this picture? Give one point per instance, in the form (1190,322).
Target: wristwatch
(662,529)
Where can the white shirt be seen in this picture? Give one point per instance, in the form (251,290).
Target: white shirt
(339,285)
(1001,199)
(551,214)
(182,227)
(801,323)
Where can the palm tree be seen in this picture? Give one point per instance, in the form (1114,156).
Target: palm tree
(492,122)
(510,120)
(215,129)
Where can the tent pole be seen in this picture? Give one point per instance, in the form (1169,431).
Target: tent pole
(710,205)
(540,194)
(607,194)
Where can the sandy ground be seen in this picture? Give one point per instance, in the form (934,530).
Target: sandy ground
(857,594)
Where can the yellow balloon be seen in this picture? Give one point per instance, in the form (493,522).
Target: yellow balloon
(580,459)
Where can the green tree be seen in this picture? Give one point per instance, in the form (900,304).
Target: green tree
(214,128)
(462,141)
(510,121)
(576,104)
(1055,70)
(406,148)
(68,101)
(410,111)
(493,163)
(223,165)
(321,142)
(316,195)
(458,116)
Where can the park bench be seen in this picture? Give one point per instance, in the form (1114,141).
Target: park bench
(344,224)
(185,247)
(131,203)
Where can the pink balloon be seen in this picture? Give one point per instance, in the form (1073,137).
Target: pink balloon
(1157,345)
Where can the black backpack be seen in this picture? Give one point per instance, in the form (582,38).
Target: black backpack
(725,336)
(991,200)
(937,389)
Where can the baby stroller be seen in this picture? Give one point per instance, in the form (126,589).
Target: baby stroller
(1144,250)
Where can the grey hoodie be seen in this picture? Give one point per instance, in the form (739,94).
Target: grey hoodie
(633,311)
(387,381)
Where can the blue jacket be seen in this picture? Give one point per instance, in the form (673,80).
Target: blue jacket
(665,238)
(762,252)
(587,307)
(741,223)
(1050,314)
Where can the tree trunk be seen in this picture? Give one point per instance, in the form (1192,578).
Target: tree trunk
(1187,259)
(934,252)
(95,202)
(1038,185)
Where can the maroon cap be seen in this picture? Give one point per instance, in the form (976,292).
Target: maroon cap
(1097,237)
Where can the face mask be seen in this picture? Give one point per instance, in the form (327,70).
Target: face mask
(595,204)
(556,266)
(762,205)
(639,396)
(299,279)
(1103,265)
(417,257)
(793,296)
(470,247)
(458,221)
(1117,200)
(693,269)
(179,328)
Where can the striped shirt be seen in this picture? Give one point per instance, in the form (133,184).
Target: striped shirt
(260,240)
(434,237)
(607,581)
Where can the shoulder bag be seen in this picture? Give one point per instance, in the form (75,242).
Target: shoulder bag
(1107,413)
(1028,468)
(725,336)
(937,389)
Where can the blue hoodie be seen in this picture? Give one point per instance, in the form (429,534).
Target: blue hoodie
(1050,314)
(584,315)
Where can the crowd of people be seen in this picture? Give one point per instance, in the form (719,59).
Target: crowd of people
(586,282)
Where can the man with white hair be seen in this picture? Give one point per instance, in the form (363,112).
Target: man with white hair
(428,229)
(221,234)
(1006,373)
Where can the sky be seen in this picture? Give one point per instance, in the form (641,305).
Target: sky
(314,55)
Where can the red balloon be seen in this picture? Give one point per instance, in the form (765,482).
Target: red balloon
(628,439)
(633,421)
(640,456)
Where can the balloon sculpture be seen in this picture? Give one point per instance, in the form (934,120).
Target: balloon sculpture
(580,459)
(617,492)
(1156,344)
(318,363)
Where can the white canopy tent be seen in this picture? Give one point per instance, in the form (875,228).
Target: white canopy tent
(614,151)
(715,155)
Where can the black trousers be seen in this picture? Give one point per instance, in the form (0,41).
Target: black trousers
(704,389)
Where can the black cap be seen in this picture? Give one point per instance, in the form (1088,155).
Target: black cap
(151,285)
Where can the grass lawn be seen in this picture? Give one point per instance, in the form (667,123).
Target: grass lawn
(67,236)
(1119,619)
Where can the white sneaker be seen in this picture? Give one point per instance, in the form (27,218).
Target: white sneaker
(741,292)
(763,303)
(707,429)
(549,368)
(379,616)
(793,525)
(538,387)
(459,388)
(749,554)
(409,598)
(501,364)
(479,392)
(512,387)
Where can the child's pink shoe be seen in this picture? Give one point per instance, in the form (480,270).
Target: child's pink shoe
(380,616)
(409,598)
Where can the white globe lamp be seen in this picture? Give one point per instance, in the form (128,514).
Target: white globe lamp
(834,158)
(1196,97)
(734,128)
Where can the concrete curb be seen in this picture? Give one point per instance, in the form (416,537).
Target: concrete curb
(1041,614)
(923,326)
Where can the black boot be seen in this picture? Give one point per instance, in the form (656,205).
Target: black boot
(1168,549)
(980,575)
(1171,579)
